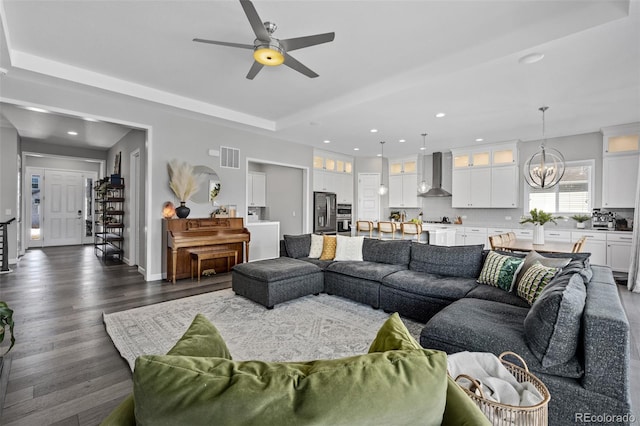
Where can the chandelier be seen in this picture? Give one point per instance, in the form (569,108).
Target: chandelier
(423,187)
(382,189)
(545,168)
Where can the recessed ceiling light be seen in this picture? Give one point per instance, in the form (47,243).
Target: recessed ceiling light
(378,155)
(93,120)
(440,115)
(402,140)
(34,109)
(72,133)
(356,149)
(326,141)
(531,58)
(374,130)
(422,148)
(479,140)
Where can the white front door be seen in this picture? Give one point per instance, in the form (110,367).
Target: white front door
(368,197)
(63,218)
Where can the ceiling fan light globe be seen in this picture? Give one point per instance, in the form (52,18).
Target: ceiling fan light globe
(268,56)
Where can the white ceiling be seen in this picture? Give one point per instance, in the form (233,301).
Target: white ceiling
(392,66)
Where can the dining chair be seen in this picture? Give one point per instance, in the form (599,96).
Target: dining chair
(386,228)
(577,246)
(411,228)
(495,241)
(364,226)
(511,236)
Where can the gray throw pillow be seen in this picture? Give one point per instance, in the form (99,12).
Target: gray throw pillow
(533,257)
(455,261)
(297,245)
(552,326)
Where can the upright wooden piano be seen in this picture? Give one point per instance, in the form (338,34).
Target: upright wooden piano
(179,235)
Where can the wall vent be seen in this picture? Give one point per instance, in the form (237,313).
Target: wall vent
(229,157)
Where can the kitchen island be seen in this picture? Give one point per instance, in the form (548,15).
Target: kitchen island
(265,239)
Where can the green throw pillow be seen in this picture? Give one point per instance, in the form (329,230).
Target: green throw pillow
(201,339)
(534,280)
(181,390)
(393,336)
(460,409)
(500,270)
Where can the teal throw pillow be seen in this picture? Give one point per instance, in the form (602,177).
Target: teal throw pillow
(500,270)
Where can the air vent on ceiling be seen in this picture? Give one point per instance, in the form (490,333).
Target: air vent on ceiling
(229,157)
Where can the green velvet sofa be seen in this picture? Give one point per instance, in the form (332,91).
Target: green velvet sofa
(197,383)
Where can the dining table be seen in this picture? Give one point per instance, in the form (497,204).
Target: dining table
(527,245)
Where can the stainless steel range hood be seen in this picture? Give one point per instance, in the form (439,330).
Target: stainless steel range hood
(436,185)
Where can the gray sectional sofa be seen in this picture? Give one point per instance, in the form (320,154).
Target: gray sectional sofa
(575,336)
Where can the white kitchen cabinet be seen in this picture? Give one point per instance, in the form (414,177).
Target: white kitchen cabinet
(468,236)
(471,188)
(524,234)
(257,189)
(344,188)
(596,244)
(265,240)
(620,158)
(486,176)
(556,235)
(505,187)
(619,180)
(619,251)
(325,181)
(440,236)
(403,191)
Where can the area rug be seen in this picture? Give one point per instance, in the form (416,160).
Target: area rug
(307,328)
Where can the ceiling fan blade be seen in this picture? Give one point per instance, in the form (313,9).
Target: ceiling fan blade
(254,19)
(255,69)
(224,43)
(293,63)
(300,42)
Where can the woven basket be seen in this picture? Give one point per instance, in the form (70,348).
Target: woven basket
(503,414)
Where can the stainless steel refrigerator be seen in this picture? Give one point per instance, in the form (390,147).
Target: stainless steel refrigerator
(324,213)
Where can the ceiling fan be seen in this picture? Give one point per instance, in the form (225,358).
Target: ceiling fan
(268,50)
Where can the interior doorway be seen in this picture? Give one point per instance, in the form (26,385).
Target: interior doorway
(60,210)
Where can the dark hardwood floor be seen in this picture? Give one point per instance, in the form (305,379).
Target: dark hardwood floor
(66,371)
(64,368)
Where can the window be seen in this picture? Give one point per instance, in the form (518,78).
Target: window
(572,195)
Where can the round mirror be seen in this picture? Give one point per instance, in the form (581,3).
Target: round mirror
(209,186)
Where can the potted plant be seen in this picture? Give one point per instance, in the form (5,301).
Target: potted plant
(184,184)
(581,219)
(539,218)
(6,320)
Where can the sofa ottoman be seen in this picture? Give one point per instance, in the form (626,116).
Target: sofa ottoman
(274,281)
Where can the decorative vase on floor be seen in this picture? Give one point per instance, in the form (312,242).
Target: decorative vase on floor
(538,234)
(183,211)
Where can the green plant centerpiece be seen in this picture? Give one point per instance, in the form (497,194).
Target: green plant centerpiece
(6,320)
(581,219)
(539,218)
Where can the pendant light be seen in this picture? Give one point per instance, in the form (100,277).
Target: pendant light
(545,168)
(423,187)
(382,189)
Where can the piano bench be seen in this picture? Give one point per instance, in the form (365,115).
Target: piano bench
(272,281)
(197,255)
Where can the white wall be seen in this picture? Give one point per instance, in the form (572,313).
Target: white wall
(172,133)
(9,146)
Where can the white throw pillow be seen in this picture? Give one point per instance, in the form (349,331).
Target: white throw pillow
(316,246)
(349,248)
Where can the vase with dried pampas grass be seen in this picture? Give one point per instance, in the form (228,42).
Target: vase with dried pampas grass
(184,184)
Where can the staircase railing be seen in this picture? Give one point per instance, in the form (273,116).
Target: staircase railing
(4,246)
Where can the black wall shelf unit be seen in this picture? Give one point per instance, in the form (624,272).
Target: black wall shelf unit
(109,220)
